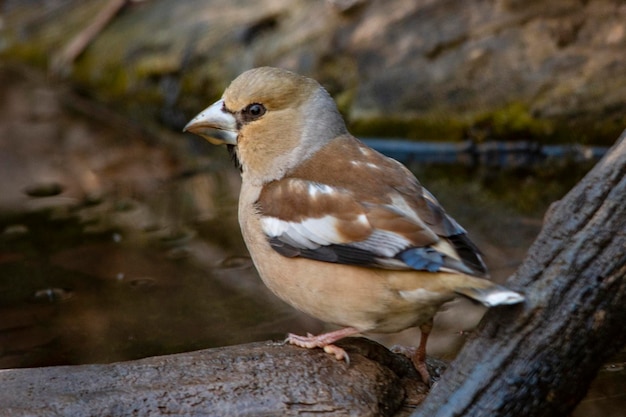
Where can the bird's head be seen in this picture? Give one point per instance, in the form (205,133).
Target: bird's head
(273,119)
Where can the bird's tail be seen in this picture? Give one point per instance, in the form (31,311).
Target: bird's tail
(491,294)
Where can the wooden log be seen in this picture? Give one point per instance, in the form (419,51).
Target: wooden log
(539,358)
(257,379)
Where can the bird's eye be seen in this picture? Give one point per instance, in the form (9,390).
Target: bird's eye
(254,111)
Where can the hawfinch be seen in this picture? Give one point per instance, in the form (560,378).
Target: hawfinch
(334,228)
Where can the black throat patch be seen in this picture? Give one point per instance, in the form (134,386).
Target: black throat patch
(233,156)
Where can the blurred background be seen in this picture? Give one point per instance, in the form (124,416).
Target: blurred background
(119,235)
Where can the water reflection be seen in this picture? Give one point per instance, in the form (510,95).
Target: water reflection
(97,298)
(107,252)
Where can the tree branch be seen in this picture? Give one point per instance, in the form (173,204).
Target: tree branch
(538,359)
(257,379)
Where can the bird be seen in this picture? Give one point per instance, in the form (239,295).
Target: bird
(334,228)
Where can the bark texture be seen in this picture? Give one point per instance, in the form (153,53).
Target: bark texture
(258,379)
(539,358)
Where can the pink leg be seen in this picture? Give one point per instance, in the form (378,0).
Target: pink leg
(419,359)
(324,341)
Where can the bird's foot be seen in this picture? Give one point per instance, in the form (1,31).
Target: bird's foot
(324,341)
(311,342)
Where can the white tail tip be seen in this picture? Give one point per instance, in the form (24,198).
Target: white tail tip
(492,296)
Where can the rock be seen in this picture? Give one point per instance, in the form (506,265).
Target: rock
(431,70)
(44,189)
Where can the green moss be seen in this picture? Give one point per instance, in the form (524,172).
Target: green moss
(410,128)
(197,85)
(110,82)
(513,121)
(27,52)
(589,130)
(36,34)
(128,88)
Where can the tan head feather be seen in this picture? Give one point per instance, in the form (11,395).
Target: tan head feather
(300,117)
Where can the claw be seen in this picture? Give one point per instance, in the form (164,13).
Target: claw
(339,353)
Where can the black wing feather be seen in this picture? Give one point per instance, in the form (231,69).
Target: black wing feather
(340,254)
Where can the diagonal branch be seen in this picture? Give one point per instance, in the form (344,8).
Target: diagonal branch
(538,359)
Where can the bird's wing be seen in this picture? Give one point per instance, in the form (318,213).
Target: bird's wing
(400,227)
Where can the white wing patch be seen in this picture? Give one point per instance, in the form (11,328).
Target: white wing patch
(322,231)
(309,234)
(273,226)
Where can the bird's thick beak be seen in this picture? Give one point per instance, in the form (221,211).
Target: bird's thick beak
(215,124)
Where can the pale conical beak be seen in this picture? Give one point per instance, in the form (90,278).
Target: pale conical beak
(215,124)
